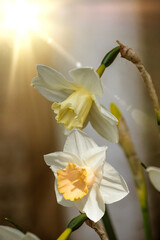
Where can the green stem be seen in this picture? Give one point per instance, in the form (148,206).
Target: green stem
(108,226)
(16,225)
(73,225)
(147,229)
(142,197)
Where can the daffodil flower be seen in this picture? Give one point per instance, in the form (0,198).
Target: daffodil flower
(8,233)
(75,102)
(154,176)
(82,177)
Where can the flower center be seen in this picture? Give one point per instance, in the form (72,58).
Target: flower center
(74,182)
(73,111)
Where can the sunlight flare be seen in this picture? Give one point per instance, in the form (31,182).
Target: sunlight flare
(20,16)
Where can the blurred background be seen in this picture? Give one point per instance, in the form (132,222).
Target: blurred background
(66,34)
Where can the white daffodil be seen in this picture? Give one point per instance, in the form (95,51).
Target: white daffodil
(154,176)
(8,233)
(75,103)
(82,177)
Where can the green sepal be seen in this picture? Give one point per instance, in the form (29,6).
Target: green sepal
(110,56)
(76,222)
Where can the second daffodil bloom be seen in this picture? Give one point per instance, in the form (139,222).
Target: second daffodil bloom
(75,102)
(82,177)
(154,176)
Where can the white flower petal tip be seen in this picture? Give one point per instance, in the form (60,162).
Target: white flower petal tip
(9,233)
(83,178)
(78,143)
(113,187)
(30,236)
(154,176)
(51,84)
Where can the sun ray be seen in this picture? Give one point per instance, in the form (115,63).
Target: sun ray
(17,28)
(58,47)
(16,23)
(16,50)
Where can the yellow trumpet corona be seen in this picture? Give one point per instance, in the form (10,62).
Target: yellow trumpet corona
(73,111)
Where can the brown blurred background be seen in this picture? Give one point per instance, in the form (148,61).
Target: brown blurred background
(71,33)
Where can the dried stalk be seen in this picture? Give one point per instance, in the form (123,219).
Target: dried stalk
(130,55)
(138,174)
(125,141)
(99,229)
(127,145)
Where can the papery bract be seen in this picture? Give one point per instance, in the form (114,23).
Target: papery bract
(75,102)
(82,177)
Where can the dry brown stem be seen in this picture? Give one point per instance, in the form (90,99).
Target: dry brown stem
(130,55)
(127,145)
(98,227)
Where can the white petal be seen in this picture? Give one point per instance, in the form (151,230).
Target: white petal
(60,198)
(88,79)
(78,143)
(52,84)
(30,236)
(104,122)
(95,157)
(8,233)
(59,160)
(92,204)
(47,92)
(154,175)
(112,187)
(111,118)
(53,79)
